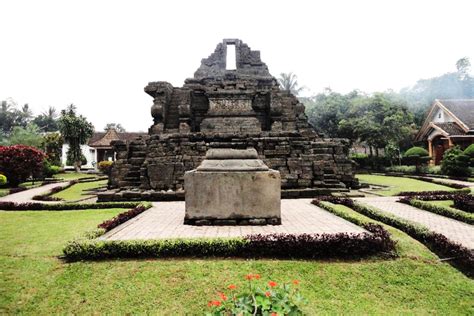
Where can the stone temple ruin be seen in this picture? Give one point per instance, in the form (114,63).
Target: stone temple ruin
(227,108)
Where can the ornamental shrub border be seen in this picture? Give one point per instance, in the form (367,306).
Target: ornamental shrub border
(431,193)
(464,202)
(454,214)
(309,246)
(36,206)
(458,255)
(123,217)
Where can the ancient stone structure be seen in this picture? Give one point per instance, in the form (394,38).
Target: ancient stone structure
(232,187)
(227,108)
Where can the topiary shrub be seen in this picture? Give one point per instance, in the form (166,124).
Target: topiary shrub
(418,157)
(3,180)
(105,166)
(455,163)
(19,162)
(469,151)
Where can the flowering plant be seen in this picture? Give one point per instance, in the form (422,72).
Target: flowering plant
(271,300)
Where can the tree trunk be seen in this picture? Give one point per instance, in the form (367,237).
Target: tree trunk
(77,166)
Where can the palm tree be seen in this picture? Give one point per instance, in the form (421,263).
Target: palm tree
(289,82)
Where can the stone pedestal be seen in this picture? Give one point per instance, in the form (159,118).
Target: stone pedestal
(232,187)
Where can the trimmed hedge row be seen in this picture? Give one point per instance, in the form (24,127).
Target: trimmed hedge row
(431,193)
(464,202)
(460,256)
(123,217)
(454,214)
(440,197)
(33,206)
(309,246)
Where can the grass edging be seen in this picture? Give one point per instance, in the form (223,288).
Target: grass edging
(36,206)
(456,254)
(440,210)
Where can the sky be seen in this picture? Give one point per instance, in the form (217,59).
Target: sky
(100,55)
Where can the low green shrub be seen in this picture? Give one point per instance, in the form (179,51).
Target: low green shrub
(105,166)
(405,169)
(50,170)
(418,157)
(272,299)
(366,162)
(455,163)
(3,180)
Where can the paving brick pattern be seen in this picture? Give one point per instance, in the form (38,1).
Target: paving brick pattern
(165,220)
(454,230)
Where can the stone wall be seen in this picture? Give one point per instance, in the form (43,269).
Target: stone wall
(159,162)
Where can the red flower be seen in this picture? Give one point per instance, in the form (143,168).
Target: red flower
(274,314)
(272,284)
(222,295)
(267,294)
(249,276)
(296,282)
(209,304)
(256,276)
(232,287)
(216,303)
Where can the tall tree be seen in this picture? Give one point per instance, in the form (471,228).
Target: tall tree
(76,131)
(48,120)
(28,136)
(116,126)
(289,82)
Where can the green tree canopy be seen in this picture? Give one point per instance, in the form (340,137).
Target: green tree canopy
(116,126)
(48,120)
(76,131)
(289,82)
(28,136)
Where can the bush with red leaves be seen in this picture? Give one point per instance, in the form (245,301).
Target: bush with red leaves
(464,202)
(19,162)
(122,218)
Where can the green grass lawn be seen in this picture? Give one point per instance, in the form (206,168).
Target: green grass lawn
(79,190)
(34,281)
(399,184)
(74,175)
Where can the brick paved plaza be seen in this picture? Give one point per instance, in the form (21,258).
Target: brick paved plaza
(165,220)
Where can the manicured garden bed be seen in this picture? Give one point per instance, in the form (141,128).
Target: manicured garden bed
(35,281)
